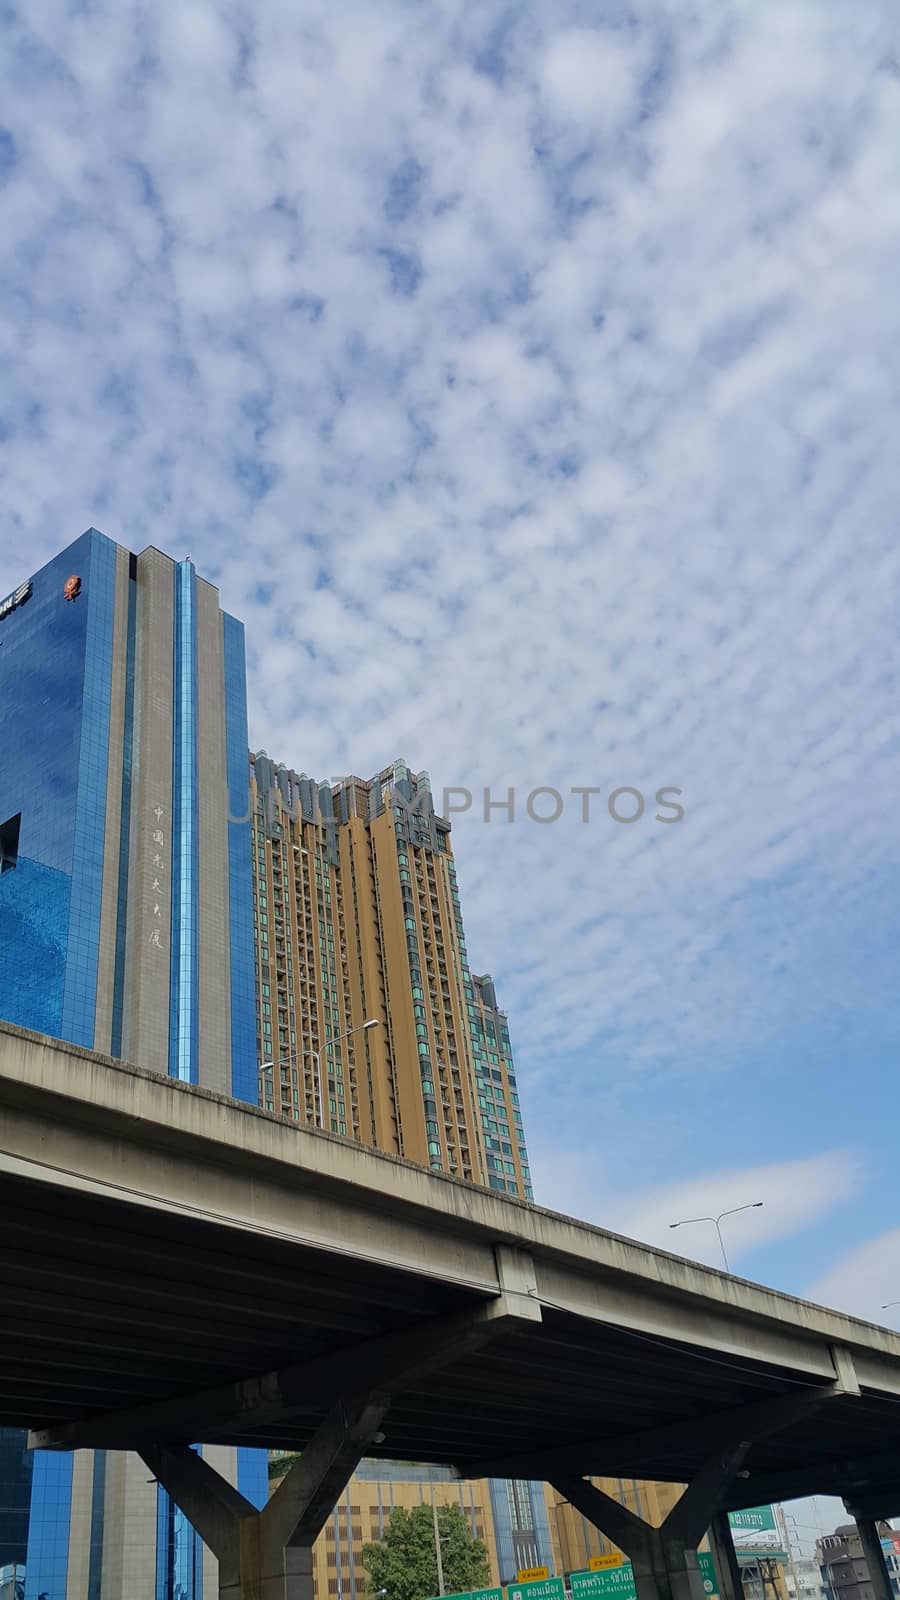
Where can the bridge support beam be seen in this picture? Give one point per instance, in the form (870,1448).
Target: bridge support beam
(664,1559)
(267,1555)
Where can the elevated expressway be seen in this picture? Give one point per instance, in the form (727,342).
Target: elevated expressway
(179,1267)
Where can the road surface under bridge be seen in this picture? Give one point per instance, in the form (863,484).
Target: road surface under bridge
(178,1267)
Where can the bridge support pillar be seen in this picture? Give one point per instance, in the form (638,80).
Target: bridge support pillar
(721,1540)
(879,1576)
(267,1554)
(664,1559)
(667,1570)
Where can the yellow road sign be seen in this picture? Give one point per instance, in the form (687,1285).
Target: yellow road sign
(602,1563)
(532,1574)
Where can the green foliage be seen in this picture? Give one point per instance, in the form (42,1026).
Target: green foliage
(404,1563)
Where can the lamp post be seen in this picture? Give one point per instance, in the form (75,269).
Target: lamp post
(300,1055)
(688,1221)
(437,1546)
(269,1066)
(438,1541)
(782,1517)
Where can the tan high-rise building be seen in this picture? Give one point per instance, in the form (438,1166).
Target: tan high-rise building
(358,921)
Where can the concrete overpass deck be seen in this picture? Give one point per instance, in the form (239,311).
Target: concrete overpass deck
(178,1267)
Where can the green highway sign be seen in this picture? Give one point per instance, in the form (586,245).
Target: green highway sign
(475,1594)
(597,1585)
(756,1519)
(544,1589)
(614,1583)
(617,1583)
(708,1569)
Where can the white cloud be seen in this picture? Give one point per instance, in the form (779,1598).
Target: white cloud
(865,1280)
(794,1194)
(860,1282)
(590,78)
(577,414)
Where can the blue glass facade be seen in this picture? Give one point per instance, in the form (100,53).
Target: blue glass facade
(253,1476)
(521,1526)
(46,1563)
(55,679)
(185,1010)
(67,658)
(55,675)
(98,601)
(16,1467)
(179,1556)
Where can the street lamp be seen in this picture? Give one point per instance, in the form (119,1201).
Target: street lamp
(269,1066)
(688,1221)
(300,1055)
(890,1303)
(439,1539)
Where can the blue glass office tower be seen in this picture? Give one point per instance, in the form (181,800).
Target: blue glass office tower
(126,926)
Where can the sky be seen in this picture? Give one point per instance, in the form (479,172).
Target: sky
(527,379)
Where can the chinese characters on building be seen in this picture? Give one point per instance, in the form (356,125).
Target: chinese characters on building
(158,869)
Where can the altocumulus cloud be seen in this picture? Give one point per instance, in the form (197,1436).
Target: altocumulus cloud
(527,379)
(798,1192)
(865,1281)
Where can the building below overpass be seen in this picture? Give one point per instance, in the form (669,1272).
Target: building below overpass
(763,1572)
(532,1528)
(513,1518)
(16,1468)
(844,1567)
(804,1578)
(363,1512)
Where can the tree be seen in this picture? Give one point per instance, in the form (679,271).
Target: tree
(404,1562)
